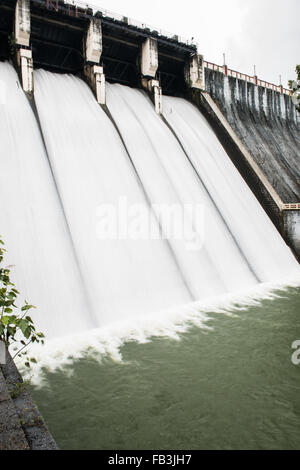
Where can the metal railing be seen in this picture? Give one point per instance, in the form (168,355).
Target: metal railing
(243,76)
(84,6)
(291,207)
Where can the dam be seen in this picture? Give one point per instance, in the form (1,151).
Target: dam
(95,109)
(156,161)
(265,123)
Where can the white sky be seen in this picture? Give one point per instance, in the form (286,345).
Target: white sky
(261,32)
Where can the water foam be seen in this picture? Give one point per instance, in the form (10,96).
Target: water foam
(60,354)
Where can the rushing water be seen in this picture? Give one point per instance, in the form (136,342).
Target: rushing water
(234,387)
(82,282)
(32,221)
(92,169)
(114,299)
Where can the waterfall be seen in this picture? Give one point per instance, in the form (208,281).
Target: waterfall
(53,198)
(258,240)
(32,221)
(186,163)
(91,168)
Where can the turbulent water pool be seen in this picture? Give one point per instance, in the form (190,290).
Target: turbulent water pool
(232,387)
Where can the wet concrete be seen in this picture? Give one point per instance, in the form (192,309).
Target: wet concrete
(267,124)
(21,425)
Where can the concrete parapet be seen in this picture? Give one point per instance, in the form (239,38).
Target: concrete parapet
(149,58)
(93,43)
(22,37)
(96,80)
(157,97)
(155,91)
(194,72)
(22,22)
(149,66)
(93,72)
(25,66)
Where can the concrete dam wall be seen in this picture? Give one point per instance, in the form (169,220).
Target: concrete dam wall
(255,121)
(268,125)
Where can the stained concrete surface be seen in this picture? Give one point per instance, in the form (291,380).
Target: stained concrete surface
(267,124)
(21,425)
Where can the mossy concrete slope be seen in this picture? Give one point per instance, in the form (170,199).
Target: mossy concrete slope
(21,425)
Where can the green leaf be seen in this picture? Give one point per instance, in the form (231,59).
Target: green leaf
(11,330)
(27,332)
(13,320)
(27,307)
(23,325)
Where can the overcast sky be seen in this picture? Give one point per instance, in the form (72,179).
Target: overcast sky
(261,32)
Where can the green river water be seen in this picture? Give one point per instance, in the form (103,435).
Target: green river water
(234,387)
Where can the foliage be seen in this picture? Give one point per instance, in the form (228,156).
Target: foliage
(15,323)
(294,86)
(18,389)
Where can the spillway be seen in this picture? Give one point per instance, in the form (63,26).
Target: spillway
(185,163)
(123,277)
(52,201)
(32,222)
(254,233)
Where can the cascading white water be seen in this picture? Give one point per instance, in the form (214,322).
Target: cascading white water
(31,219)
(123,277)
(258,240)
(80,281)
(241,245)
(168,177)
